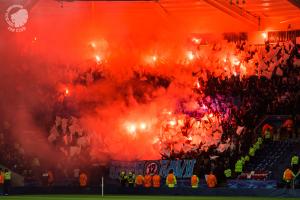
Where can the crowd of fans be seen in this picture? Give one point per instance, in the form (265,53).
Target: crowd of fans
(69,137)
(238,102)
(214,126)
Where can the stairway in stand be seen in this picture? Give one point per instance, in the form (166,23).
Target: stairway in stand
(272,158)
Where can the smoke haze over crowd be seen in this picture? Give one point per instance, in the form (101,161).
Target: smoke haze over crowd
(38,64)
(144,66)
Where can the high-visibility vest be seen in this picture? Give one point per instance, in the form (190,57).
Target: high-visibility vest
(148,181)
(156,181)
(139,180)
(239,166)
(267,134)
(7,176)
(211,181)
(252,151)
(1,177)
(194,181)
(83,179)
(171,180)
(131,178)
(260,140)
(243,160)
(123,176)
(288,175)
(295,160)
(247,158)
(256,146)
(227,173)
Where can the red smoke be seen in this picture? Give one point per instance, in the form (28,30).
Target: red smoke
(122,115)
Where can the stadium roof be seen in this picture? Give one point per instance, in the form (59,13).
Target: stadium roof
(190,15)
(273,14)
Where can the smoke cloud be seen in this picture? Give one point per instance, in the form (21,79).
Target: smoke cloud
(143,72)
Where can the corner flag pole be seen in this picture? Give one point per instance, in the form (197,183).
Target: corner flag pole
(102,186)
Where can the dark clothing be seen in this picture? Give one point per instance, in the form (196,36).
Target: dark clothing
(295,168)
(131,180)
(123,180)
(288,184)
(6,187)
(1,189)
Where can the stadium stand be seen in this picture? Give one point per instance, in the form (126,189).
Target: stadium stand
(234,124)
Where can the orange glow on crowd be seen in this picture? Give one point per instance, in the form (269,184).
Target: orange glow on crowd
(126,84)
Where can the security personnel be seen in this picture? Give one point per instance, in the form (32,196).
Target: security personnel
(260,140)
(243,160)
(148,181)
(288,176)
(7,181)
(211,180)
(139,181)
(123,178)
(268,134)
(251,152)
(171,179)
(1,181)
(295,160)
(247,158)
(227,173)
(239,167)
(256,146)
(156,180)
(131,179)
(194,181)
(83,179)
(295,163)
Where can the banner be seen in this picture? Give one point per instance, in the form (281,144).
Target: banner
(181,168)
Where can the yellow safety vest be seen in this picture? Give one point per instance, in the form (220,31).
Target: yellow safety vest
(7,176)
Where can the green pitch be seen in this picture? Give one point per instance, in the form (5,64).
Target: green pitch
(94,197)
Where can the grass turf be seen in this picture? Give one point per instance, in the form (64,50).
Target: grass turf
(94,197)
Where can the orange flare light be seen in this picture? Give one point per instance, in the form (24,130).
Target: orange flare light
(131,128)
(143,126)
(264,35)
(98,58)
(154,58)
(67,92)
(93,44)
(190,55)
